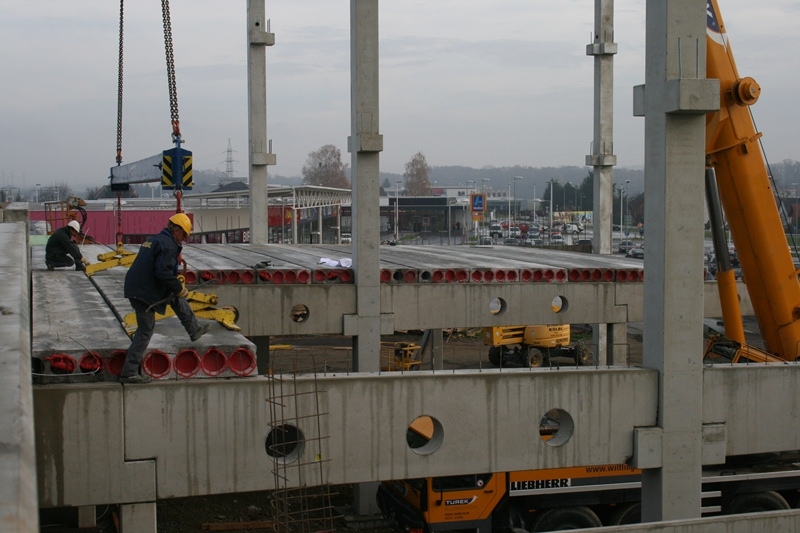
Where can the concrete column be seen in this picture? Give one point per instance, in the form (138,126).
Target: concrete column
(602,158)
(674,102)
(262,353)
(260,155)
(437,349)
(138,517)
(87,516)
(365,144)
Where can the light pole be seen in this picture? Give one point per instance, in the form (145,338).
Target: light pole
(620,214)
(534,203)
(516,178)
(550,228)
(396,210)
(509,208)
(626,203)
(575,205)
(474,188)
(37,192)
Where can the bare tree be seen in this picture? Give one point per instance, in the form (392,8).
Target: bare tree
(416,176)
(324,167)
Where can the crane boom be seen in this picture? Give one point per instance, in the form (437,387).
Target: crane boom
(734,152)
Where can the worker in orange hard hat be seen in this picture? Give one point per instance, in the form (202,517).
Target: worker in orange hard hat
(151,284)
(61,250)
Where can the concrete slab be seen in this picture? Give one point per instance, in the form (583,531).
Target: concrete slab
(72,324)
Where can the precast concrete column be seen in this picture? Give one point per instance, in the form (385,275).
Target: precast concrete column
(365,144)
(674,100)
(602,158)
(138,517)
(260,152)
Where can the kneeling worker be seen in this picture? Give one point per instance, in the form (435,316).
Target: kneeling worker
(61,251)
(151,284)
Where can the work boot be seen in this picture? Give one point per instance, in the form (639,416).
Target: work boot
(135,379)
(49,267)
(201,330)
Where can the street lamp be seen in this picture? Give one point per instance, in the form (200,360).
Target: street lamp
(626,203)
(37,192)
(516,178)
(565,194)
(396,212)
(620,214)
(508,197)
(550,228)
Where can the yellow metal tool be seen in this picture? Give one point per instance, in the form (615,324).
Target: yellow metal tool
(118,257)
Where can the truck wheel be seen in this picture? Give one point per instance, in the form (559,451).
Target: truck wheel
(515,519)
(757,501)
(563,518)
(627,514)
(534,358)
(583,355)
(495,355)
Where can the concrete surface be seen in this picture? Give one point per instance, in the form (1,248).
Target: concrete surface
(18,500)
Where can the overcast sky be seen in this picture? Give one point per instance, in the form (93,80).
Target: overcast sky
(466,82)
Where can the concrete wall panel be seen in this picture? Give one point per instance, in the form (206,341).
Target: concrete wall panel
(759,405)
(79,448)
(208,437)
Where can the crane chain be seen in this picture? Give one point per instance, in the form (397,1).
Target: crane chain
(119,84)
(173,92)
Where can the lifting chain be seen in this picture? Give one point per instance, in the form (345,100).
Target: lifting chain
(173,92)
(119,86)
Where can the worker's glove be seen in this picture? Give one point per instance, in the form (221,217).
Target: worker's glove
(184,292)
(84,261)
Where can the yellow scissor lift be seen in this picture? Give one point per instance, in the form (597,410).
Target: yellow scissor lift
(400,356)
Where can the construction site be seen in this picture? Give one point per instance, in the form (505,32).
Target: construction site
(699,434)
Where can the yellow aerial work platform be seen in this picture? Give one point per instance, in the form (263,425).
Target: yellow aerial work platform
(400,356)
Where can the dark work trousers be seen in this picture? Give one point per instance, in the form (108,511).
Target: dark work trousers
(61,260)
(145,323)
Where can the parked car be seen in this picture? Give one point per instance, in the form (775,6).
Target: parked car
(557,239)
(484,240)
(637,252)
(510,241)
(346,238)
(624,246)
(533,240)
(573,228)
(496,230)
(514,231)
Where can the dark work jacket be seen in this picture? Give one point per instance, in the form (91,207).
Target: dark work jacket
(153,276)
(60,244)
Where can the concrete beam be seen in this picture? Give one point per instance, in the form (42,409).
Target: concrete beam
(207,437)
(18,501)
